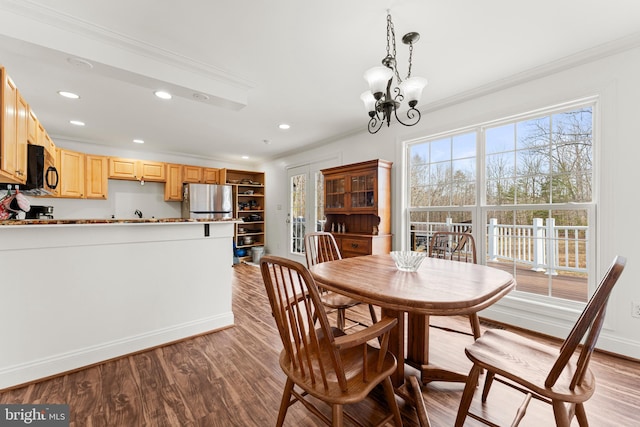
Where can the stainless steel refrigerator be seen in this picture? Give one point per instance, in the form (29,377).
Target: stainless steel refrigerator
(207,201)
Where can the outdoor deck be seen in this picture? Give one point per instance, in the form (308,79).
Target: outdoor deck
(563,285)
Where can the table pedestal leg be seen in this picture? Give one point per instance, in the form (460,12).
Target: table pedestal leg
(418,352)
(396,344)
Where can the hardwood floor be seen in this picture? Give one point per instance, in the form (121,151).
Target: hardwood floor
(232,378)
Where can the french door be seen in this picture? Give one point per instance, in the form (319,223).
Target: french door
(306,203)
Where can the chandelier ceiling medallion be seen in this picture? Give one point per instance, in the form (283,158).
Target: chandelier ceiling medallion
(378,100)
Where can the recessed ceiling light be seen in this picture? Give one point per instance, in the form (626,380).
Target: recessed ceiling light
(200,97)
(80,63)
(138,141)
(245,157)
(284,126)
(76,122)
(69,95)
(162,94)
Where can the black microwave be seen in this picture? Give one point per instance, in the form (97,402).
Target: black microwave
(42,175)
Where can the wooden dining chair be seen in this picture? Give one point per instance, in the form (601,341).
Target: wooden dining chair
(461,247)
(322,247)
(324,362)
(560,377)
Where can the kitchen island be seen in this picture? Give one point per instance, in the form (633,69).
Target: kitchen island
(79,292)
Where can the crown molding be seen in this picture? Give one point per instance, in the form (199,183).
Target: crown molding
(581,58)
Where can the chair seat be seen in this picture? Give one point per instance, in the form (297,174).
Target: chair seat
(528,363)
(335,300)
(352,362)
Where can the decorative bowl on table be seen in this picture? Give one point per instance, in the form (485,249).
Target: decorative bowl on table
(408,260)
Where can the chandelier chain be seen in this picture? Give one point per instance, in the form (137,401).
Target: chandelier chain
(391,40)
(410,59)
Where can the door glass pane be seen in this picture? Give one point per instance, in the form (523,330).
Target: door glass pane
(321,219)
(298,212)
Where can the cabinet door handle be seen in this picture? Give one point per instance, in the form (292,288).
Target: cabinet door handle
(354,245)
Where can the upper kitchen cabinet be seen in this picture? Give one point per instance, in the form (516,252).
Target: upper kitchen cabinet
(37,135)
(197,174)
(32,128)
(136,170)
(96,174)
(192,174)
(357,206)
(13,132)
(210,176)
(71,167)
(180,174)
(173,186)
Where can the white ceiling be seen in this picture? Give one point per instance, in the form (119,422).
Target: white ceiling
(266,62)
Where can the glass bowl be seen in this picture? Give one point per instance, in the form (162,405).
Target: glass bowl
(408,260)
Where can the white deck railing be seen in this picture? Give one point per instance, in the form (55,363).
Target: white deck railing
(543,245)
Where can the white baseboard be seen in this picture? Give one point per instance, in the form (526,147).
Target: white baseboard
(34,370)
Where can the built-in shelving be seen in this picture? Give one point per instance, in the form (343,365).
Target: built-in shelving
(249,206)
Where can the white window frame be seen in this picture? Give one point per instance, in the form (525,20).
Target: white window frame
(536,312)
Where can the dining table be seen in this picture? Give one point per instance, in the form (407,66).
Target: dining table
(438,288)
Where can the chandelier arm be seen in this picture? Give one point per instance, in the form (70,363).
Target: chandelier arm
(375,124)
(413,115)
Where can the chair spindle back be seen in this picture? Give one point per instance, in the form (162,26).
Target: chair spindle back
(453,245)
(591,321)
(295,304)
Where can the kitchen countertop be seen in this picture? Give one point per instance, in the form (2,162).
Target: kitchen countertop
(28,222)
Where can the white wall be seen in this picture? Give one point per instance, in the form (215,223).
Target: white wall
(75,295)
(615,80)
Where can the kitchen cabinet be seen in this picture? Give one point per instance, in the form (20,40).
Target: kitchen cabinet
(191,174)
(71,167)
(197,174)
(47,142)
(210,176)
(32,128)
(13,132)
(96,173)
(179,174)
(173,186)
(136,170)
(357,205)
(37,135)
(249,206)
(21,136)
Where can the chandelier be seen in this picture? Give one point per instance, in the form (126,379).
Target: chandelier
(381,101)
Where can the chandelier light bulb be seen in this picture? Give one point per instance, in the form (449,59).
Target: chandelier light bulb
(412,88)
(369,102)
(378,77)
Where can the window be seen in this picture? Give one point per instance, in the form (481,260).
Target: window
(529,180)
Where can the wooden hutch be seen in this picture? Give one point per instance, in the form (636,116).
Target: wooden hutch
(357,204)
